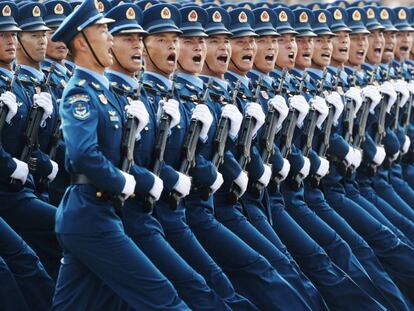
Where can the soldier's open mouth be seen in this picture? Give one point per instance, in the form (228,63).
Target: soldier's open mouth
(136,58)
(388,50)
(360,53)
(222,59)
(377,51)
(247,58)
(197,59)
(404,48)
(306,55)
(343,50)
(291,55)
(171,58)
(269,57)
(326,55)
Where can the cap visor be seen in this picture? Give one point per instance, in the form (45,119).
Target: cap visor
(405,28)
(165,30)
(306,33)
(247,33)
(268,32)
(36,28)
(325,33)
(195,33)
(340,28)
(9,28)
(217,32)
(287,31)
(360,31)
(375,27)
(131,30)
(104,20)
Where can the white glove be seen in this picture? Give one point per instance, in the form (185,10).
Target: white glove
(183,185)
(355,94)
(255,111)
(235,116)
(137,109)
(372,93)
(217,183)
(265,178)
(357,158)
(350,156)
(21,171)
(336,100)
(319,104)
(406,145)
(242,181)
(388,89)
(323,168)
(44,100)
(129,186)
(410,86)
(9,99)
(379,155)
(299,103)
(203,114)
(400,86)
(395,156)
(304,171)
(55,169)
(157,188)
(285,170)
(279,103)
(170,107)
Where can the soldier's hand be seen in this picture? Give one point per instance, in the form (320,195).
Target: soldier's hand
(129,185)
(171,108)
(9,99)
(400,86)
(242,181)
(323,168)
(157,188)
(371,92)
(267,174)
(137,109)
(357,158)
(55,169)
(235,116)
(355,94)
(44,100)
(217,183)
(203,114)
(21,172)
(299,103)
(336,101)
(256,112)
(406,145)
(283,173)
(183,185)
(387,88)
(279,104)
(319,104)
(304,171)
(379,155)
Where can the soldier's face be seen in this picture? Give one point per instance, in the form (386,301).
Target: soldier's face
(358,49)
(376,43)
(218,54)
(244,50)
(404,42)
(35,44)
(55,50)
(128,51)
(390,42)
(305,51)
(267,49)
(8,41)
(102,42)
(287,51)
(322,52)
(161,52)
(193,54)
(341,44)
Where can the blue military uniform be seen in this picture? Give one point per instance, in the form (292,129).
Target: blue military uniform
(140,225)
(97,253)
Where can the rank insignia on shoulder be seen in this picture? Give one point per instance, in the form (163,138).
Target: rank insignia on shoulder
(191,87)
(63,83)
(96,86)
(103,99)
(78,97)
(126,87)
(112,116)
(81,82)
(81,111)
(160,86)
(264,94)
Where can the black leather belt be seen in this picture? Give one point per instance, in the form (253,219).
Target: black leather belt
(79,179)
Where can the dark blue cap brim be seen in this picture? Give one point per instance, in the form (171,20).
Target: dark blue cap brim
(375,26)
(305,33)
(359,30)
(267,32)
(405,28)
(244,33)
(9,28)
(36,28)
(325,32)
(286,31)
(194,33)
(390,28)
(164,28)
(340,28)
(217,31)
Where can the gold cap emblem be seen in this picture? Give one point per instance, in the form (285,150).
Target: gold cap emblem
(101,7)
(370,13)
(303,17)
(322,18)
(130,13)
(242,17)
(58,9)
(356,16)
(402,14)
(165,13)
(36,11)
(283,16)
(264,17)
(384,14)
(337,14)
(148,5)
(192,16)
(6,11)
(217,17)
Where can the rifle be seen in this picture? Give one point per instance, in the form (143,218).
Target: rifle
(268,135)
(309,131)
(160,144)
(128,143)
(4,110)
(288,130)
(380,128)
(32,129)
(244,142)
(189,148)
(326,131)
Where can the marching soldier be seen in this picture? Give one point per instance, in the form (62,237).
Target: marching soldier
(98,256)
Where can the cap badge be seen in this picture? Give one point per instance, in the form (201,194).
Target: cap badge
(402,14)
(322,18)
(242,17)
(36,11)
(192,16)
(264,17)
(217,17)
(356,16)
(165,13)
(283,16)
(130,13)
(58,9)
(370,13)
(384,14)
(337,14)
(229,8)
(342,4)
(148,5)
(303,17)
(6,11)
